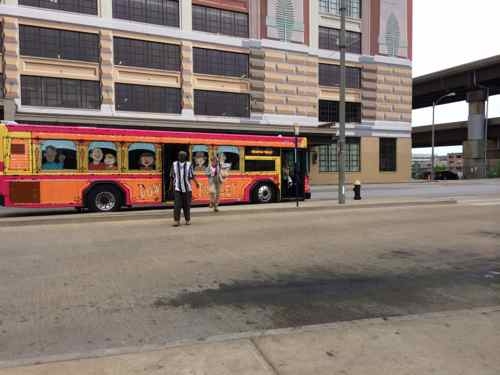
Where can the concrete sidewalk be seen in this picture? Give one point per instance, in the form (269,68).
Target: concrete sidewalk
(457,342)
(164,213)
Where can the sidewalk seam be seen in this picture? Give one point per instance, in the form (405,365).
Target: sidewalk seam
(264,357)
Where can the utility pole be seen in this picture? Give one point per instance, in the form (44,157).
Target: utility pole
(341,140)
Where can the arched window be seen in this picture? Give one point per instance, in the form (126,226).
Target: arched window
(142,157)
(102,156)
(392,36)
(229,157)
(58,155)
(199,157)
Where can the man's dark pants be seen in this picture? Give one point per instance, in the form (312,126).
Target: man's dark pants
(182,201)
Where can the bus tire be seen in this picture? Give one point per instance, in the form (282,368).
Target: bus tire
(104,198)
(264,192)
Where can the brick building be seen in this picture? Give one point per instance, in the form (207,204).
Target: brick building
(250,66)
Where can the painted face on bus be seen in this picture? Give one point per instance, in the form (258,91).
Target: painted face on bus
(147,161)
(200,160)
(97,155)
(110,161)
(50,154)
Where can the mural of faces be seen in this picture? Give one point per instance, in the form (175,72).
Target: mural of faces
(57,154)
(147,161)
(102,156)
(110,161)
(200,160)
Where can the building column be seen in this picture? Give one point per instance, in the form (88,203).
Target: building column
(11,67)
(474,145)
(186,17)
(107,80)
(187,78)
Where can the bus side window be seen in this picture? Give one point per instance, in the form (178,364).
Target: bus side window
(199,158)
(142,157)
(229,157)
(58,155)
(102,156)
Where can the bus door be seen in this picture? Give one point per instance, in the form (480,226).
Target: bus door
(170,154)
(292,177)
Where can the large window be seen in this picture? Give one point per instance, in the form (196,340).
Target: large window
(60,92)
(329,111)
(220,21)
(147,98)
(330,39)
(146,54)
(353,7)
(387,154)
(329,75)
(58,44)
(209,61)
(214,103)
(328,156)
(159,12)
(77,6)
(58,155)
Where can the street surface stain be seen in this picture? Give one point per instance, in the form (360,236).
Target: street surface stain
(490,234)
(319,296)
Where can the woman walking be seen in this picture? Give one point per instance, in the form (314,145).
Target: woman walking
(216,177)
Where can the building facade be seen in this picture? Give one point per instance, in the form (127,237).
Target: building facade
(250,66)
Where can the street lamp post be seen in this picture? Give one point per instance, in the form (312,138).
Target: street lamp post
(434,104)
(296,131)
(341,141)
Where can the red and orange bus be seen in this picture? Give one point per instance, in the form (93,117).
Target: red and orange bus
(104,169)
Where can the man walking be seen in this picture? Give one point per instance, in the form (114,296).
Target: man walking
(182,174)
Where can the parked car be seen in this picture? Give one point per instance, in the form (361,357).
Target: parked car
(441,175)
(446,175)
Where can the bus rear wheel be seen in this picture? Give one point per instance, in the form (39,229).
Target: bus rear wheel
(105,198)
(264,193)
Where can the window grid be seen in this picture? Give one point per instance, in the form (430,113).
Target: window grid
(76,6)
(140,98)
(328,156)
(387,154)
(58,44)
(207,61)
(353,7)
(60,92)
(330,39)
(329,75)
(146,54)
(214,103)
(329,111)
(220,21)
(158,12)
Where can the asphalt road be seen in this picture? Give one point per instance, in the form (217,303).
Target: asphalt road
(76,288)
(442,189)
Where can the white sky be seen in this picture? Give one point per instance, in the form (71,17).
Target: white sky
(447,33)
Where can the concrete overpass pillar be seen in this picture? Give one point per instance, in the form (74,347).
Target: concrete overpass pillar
(474,166)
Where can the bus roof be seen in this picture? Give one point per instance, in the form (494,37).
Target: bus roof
(160,136)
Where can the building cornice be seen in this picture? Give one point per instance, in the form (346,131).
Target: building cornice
(192,36)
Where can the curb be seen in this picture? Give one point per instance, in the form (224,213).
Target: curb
(250,335)
(161,214)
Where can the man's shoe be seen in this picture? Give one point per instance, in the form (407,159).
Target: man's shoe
(176,224)
(188,223)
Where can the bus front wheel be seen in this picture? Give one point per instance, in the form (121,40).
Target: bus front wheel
(104,198)
(264,193)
